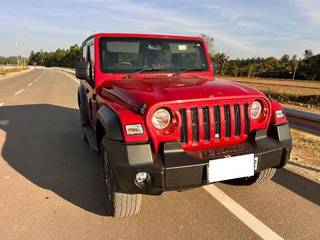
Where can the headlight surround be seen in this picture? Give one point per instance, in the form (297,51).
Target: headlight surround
(256,109)
(161,118)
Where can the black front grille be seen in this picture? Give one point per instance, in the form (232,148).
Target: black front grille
(232,124)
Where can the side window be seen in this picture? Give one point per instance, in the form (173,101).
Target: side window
(84,53)
(91,59)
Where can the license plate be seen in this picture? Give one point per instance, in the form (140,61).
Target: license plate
(230,168)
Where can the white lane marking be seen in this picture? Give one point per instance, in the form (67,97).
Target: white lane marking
(73,78)
(246,217)
(1,104)
(20,91)
(30,84)
(38,78)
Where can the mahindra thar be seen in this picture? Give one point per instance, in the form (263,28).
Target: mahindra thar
(152,108)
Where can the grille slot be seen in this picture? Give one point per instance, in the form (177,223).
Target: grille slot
(237,119)
(206,123)
(227,119)
(246,118)
(195,124)
(184,128)
(217,121)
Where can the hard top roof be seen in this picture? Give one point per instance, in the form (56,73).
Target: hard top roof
(141,35)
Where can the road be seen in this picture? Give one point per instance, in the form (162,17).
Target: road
(51,185)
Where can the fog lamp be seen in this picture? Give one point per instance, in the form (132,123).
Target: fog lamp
(141,177)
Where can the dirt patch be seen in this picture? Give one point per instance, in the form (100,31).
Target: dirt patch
(305,155)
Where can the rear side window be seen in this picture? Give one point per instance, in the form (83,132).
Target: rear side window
(91,59)
(84,53)
(91,54)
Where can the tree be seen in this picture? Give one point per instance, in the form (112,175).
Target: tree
(209,41)
(307,53)
(285,62)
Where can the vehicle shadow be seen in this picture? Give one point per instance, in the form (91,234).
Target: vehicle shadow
(44,144)
(300,185)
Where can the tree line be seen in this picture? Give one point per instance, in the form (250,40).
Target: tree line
(58,58)
(12,60)
(306,68)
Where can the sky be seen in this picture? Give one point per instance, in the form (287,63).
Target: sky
(240,28)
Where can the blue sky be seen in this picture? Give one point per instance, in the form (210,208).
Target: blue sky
(240,28)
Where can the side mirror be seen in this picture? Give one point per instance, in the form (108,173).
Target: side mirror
(83,70)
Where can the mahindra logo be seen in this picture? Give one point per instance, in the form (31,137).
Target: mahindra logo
(222,152)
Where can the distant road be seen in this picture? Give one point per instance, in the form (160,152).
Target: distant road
(51,185)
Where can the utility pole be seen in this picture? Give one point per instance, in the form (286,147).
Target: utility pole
(294,73)
(17,47)
(23,59)
(250,71)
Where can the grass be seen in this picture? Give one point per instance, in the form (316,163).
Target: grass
(4,71)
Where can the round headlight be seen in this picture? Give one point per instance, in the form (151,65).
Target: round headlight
(161,118)
(256,109)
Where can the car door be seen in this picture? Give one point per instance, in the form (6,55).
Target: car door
(88,54)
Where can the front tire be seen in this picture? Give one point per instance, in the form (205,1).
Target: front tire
(118,204)
(264,176)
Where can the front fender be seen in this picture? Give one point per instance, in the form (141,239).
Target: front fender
(111,123)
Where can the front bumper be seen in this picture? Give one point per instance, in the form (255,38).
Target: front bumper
(174,169)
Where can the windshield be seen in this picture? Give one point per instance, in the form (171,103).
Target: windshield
(120,55)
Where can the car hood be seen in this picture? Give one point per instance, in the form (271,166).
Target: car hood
(152,90)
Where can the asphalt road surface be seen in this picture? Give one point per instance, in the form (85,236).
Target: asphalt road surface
(51,185)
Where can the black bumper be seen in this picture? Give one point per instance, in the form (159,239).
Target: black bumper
(175,169)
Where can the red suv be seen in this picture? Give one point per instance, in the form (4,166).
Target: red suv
(151,107)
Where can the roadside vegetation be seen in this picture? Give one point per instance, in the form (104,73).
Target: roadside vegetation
(59,58)
(305,155)
(286,67)
(5,71)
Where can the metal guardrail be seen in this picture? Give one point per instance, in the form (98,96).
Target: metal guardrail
(306,121)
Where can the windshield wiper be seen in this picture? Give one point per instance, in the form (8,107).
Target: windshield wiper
(177,73)
(129,75)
